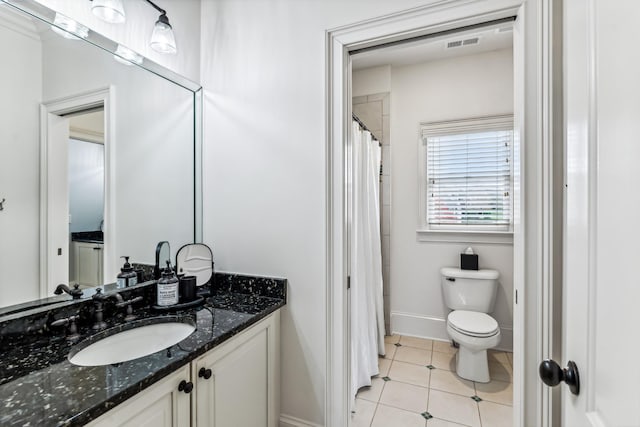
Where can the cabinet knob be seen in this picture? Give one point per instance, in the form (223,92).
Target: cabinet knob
(186,386)
(204,373)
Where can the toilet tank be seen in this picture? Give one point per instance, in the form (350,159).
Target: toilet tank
(472,290)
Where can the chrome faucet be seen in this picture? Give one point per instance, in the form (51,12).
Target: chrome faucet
(76,292)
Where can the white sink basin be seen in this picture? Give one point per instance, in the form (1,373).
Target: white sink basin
(131,344)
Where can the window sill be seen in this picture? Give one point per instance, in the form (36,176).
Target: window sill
(452,236)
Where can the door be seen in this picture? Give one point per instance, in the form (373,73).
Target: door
(57,202)
(602,201)
(88,264)
(232,390)
(164,404)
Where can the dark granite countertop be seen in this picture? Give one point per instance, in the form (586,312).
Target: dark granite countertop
(39,386)
(88,237)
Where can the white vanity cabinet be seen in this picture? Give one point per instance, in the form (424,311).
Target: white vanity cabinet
(88,259)
(161,405)
(235,384)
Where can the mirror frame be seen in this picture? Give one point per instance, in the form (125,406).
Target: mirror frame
(46,15)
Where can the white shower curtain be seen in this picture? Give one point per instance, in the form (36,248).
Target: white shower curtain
(367,312)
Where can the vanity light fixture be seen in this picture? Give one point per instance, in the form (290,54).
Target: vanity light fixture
(68,28)
(126,56)
(111,11)
(162,38)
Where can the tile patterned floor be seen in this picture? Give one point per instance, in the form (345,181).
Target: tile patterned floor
(417,386)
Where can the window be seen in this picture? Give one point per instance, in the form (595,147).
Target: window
(467,175)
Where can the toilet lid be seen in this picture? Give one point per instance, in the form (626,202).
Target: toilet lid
(473,323)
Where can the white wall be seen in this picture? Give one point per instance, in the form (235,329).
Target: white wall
(19,172)
(264,70)
(371,80)
(447,89)
(135,32)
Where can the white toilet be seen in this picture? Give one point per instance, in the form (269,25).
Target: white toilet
(471,295)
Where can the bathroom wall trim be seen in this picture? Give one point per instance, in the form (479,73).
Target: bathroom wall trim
(534,95)
(290,421)
(435,328)
(19,23)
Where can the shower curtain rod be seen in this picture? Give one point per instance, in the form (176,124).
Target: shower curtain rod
(364,127)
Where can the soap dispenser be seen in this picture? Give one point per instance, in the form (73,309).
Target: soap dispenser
(168,287)
(127,276)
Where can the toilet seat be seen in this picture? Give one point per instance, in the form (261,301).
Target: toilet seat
(473,323)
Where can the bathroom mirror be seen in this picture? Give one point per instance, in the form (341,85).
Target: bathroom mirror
(70,213)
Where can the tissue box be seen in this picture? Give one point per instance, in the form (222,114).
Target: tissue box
(468,262)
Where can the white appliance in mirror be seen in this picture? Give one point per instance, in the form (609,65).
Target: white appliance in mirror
(121,184)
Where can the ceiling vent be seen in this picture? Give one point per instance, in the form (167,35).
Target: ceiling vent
(466,42)
(504,30)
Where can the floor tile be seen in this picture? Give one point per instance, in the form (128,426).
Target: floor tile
(450,382)
(455,408)
(383,366)
(389,350)
(494,391)
(414,355)
(387,416)
(444,347)
(373,392)
(500,372)
(405,396)
(410,373)
(416,342)
(498,357)
(444,360)
(436,422)
(363,413)
(392,339)
(496,415)
(510,357)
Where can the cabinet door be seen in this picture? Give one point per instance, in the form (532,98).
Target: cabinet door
(89,264)
(161,405)
(242,389)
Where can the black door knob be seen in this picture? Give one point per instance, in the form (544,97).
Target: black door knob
(552,374)
(186,386)
(204,373)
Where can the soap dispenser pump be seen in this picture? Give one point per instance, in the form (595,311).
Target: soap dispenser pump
(127,277)
(168,287)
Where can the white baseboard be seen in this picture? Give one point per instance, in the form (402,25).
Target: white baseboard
(289,421)
(433,328)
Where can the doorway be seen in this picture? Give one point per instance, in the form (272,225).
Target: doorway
(443,108)
(534,120)
(86,197)
(76,243)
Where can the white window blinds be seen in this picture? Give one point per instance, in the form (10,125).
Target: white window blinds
(469,179)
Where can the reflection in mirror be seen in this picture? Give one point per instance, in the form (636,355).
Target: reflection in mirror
(163,255)
(97,158)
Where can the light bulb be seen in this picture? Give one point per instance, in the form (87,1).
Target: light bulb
(68,28)
(162,38)
(126,56)
(111,11)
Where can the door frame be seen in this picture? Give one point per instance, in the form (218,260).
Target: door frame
(104,97)
(535,214)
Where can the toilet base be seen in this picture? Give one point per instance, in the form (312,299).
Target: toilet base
(472,365)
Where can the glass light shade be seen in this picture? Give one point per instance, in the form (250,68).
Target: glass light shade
(162,38)
(68,28)
(111,11)
(126,56)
